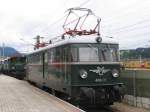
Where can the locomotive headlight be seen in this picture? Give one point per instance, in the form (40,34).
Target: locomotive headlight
(83,74)
(115,73)
(98,39)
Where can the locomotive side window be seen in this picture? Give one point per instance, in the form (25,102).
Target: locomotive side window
(73,54)
(40,58)
(46,57)
(58,57)
(37,59)
(34,59)
(29,59)
(55,55)
(52,54)
(65,54)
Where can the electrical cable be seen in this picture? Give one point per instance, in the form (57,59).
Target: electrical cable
(82,4)
(131,25)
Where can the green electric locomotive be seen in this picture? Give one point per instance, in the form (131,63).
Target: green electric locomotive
(80,66)
(4,66)
(86,69)
(14,66)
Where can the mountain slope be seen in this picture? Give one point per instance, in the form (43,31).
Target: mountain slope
(9,52)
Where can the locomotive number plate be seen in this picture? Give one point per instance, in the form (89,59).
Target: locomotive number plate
(100,80)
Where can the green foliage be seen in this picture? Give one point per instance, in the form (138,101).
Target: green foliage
(143,53)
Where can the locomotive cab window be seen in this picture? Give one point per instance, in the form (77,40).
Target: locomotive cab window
(95,53)
(73,54)
(88,54)
(109,53)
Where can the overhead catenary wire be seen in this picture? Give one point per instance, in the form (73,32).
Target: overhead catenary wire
(58,20)
(127,12)
(131,29)
(65,3)
(52,24)
(84,3)
(137,23)
(55,22)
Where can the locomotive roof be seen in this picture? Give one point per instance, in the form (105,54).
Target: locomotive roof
(77,39)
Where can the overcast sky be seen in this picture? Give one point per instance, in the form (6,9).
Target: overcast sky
(128,21)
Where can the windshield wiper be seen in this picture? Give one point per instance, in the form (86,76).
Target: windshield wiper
(92,47)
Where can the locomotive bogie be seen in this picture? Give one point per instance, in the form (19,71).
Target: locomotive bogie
(97,95)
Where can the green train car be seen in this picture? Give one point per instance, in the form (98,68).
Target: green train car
(14,66)
(4,66)
(83,69)
(1,66)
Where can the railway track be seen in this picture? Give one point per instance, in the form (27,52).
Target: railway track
(101,109)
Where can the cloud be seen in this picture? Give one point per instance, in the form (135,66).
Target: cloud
(28,18)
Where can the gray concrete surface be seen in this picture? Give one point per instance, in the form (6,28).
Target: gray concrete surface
(137,89)
(20,96)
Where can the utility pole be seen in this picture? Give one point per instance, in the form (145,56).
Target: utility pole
(3,51)
(0,53)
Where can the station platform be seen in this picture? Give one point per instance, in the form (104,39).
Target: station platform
(20,96)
